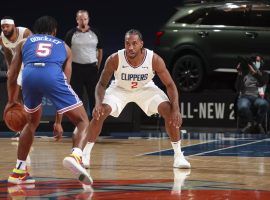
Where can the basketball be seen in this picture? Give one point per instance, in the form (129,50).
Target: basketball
(15,117)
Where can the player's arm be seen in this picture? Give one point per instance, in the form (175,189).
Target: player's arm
(106,75)
(8,56)
(7,53)
(14,70)
(160,68)
(27,33)
(67,65)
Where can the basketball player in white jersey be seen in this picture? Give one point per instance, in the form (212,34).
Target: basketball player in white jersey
(134,68)
(10,37)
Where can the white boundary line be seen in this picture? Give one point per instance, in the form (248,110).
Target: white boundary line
(226,148)
(143,154)
(206,151)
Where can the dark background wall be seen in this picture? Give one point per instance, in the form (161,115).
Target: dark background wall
(112,18)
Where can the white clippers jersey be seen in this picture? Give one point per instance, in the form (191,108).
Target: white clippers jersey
(133,78)
(12,45)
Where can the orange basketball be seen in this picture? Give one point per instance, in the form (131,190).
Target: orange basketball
(15,117)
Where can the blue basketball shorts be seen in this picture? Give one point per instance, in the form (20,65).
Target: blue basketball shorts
(49,81)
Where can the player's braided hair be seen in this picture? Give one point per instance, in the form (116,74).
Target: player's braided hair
(134,32)
(45,25)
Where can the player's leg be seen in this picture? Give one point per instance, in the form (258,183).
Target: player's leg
(165,110)
(94,130)
(95,125)
(73,162)
(115,100)
(67,102)
(28,133)
(32,99)
(153,100)
(79,118)
(20,174)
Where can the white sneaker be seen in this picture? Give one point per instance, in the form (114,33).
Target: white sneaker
(74,164)
(180,161)
(180,176)
(86,161)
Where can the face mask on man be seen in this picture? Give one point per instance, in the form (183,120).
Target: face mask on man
(257,64)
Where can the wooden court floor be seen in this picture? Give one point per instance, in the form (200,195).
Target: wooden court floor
(223,167)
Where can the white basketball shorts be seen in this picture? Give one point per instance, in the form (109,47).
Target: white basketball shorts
(147,98)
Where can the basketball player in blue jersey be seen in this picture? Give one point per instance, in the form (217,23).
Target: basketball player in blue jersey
(44,57)
(134,68)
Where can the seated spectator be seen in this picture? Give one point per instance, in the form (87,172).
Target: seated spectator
(250,84)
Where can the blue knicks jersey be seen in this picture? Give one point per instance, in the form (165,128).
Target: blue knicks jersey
(40,48)
(43,58)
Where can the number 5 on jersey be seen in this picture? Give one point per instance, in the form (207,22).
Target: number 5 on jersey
(44,49)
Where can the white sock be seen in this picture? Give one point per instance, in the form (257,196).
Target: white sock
(176,147)
(21,164)
(77,151)
(88,148)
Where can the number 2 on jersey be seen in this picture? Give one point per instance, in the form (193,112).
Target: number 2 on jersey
(134,84)
(44,49)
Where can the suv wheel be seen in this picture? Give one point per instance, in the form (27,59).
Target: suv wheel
(188,73)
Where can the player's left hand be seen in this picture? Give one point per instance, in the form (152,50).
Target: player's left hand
(57,131)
